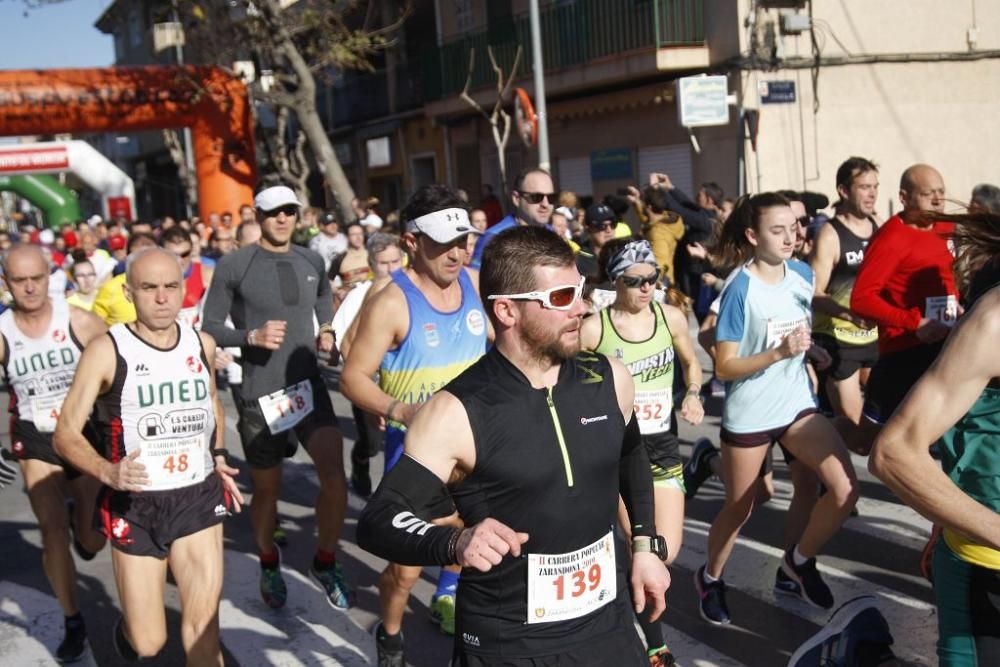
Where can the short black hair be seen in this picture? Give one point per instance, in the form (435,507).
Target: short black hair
(851,167)
(519,179)
(714,192)
(430,198)
(175,234)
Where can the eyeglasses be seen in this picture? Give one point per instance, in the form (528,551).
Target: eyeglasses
(639,281)
(601,226)
(561,297)
(537,197)
(289,211)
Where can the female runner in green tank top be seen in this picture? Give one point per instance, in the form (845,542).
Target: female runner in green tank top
(647,336)
(957,404)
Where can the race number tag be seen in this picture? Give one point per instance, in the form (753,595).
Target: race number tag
(172,464)
(778,330)
(652,409)
(286,408)
(944,309)
(570,585)
(45,412)
(190,316)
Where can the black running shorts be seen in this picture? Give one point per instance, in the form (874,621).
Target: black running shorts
(261,448)
(147,523)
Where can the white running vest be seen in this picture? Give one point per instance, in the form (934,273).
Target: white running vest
(40,370)
(160,403)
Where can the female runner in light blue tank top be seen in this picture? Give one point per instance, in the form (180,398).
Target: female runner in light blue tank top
(763,335)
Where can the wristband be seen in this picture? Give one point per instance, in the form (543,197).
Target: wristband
(223,452)
(252,338)
(453,546)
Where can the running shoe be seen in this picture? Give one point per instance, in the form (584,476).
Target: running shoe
(698,468)
(661,657)
(712,602)
(927,555)
(443,612)
(74,643)
(272,586)
(813,589)
(332,580)
(122,646)
(857,635)
(388,656)
(785,585)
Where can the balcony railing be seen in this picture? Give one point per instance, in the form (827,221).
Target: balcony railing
(573,32)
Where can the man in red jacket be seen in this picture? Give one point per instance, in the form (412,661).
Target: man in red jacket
(906,286)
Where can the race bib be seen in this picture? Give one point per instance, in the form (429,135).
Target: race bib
(652,410)
(285,408)
(45,412)
(570,585)
(944,309)
(174,463)
(190,316)
(778,330)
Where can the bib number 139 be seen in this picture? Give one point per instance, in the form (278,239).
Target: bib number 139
(579,582)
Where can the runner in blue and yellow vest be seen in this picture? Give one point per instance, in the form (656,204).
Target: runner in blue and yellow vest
(648,337)
(424,325)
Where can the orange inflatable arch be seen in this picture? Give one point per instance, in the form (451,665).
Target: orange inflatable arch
(213,103)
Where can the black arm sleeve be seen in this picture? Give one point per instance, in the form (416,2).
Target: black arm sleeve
(635,480)
(394,525)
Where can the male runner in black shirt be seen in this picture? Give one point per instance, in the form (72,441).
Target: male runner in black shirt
(535,442)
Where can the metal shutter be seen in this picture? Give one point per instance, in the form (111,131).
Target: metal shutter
(673,160)
(574,174)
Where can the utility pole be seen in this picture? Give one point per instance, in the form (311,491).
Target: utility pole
(185,131)
(537,64)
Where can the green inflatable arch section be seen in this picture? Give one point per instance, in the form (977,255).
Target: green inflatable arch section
(57,203)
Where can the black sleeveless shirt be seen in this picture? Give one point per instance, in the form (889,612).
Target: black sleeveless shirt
(563,492)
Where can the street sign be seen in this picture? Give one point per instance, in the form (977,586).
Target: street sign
(776,92)
(703,101)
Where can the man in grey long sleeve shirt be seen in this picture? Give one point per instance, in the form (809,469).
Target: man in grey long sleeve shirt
(272,290)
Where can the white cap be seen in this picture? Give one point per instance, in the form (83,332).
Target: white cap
(372,220)
(94,220)
(275,197)
(443,226)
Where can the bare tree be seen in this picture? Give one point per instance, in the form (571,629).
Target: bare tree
(297,44)
(498,118)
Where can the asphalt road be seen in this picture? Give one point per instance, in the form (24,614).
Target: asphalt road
(876,552)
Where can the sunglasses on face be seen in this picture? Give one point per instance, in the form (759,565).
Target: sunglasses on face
(601,227)
(289,211)
(537,197)
(561,297)
(639,281)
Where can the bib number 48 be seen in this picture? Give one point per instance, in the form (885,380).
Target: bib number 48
(176,464)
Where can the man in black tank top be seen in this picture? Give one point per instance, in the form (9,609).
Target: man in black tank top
(840,247)
(533,445)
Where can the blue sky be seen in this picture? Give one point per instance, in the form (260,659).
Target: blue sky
(57,35)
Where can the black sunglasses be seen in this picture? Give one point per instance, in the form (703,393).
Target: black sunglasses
(639,281)
(537,197)
(601,226)
(289,211)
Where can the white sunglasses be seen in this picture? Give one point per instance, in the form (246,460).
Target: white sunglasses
(561,297)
